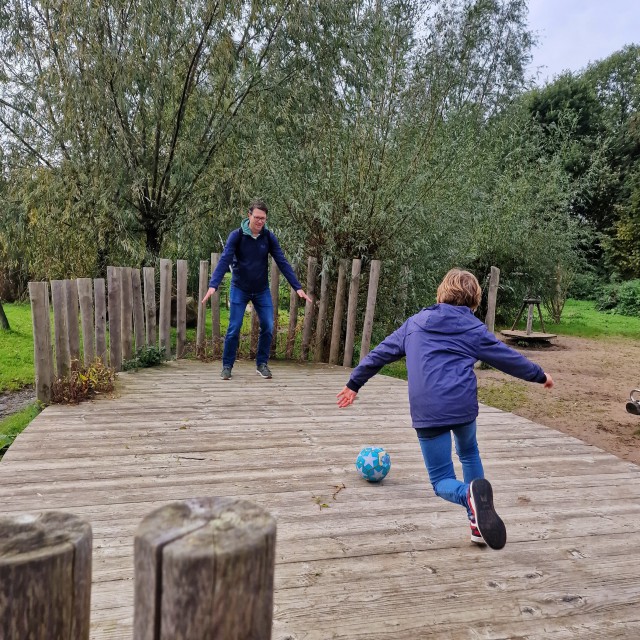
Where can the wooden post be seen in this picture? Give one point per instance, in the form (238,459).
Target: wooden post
(293,323)
(529,319)
(99,293)
(374,277)
(149,275)
(204,570)
(85,298)
(45,577)
(322,316)
(42,355)
(492,296)
(127,313)
(202,290)
(275,289)
(61,333)
(352,311)
(307,324)
(71,299)
(181,307)
(166,268)
(215,311)
(138,309)
(338,311)
(114,310)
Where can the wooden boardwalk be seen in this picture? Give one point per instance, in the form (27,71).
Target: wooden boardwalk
(380,561)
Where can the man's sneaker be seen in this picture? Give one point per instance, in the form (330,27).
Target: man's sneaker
(475,533)
(226,373)
(263,370)
(489,524)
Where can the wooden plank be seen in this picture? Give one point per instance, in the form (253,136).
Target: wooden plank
(138,309)
(338,312)
(126,317)
(307,324)
(181,306)
(99,292)
(115,311)
(216,338)
(85,298)
(61,332)
(367,329)
(149,277)
(352,313)
(71,299)
(321,324)
(202,290)
(42,354)
(166,268)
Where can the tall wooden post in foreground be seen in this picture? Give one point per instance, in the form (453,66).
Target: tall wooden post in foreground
(45,577)
(204,569)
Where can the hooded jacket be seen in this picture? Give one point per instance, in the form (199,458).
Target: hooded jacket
(247,257)
(442,343)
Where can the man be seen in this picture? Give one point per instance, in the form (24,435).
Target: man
(246,251)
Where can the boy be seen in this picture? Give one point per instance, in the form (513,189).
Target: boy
(442,343)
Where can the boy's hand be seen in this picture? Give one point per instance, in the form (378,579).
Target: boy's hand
(207,295)
(548,383)
(346,397)
(303,295)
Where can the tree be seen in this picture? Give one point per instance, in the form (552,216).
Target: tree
(4,323)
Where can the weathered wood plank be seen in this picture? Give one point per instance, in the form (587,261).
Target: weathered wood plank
(338,312)
(71,299)
(114,288)
(85,298)
(166,269)
(61,333)
(181,306)
(42,354)
(149,276)
(367,329)
(138,309)
(352,311)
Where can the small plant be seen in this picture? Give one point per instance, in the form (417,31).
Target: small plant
(83,383)
(146,356)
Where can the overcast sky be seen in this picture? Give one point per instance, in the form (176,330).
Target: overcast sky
(573,33)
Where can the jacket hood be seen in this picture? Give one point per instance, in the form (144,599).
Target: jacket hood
(244,225)
(446,318)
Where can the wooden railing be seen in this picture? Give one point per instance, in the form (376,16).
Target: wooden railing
(118,316)
(203,570)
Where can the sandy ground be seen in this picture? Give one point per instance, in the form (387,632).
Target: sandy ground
(593,379)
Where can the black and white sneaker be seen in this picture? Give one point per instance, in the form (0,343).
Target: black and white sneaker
(226,373)
(263,370)
(489,523)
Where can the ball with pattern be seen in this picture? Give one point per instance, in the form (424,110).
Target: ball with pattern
(373,463)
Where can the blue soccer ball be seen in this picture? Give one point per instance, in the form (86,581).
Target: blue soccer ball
(373,463)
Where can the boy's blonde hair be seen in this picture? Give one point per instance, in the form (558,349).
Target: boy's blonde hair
(460,288)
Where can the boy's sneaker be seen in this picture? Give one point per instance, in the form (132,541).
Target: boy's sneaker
(226,373)
(263,370)
(488,522)
(475,533)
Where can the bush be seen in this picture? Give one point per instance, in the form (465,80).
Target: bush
(622,298)
(144,357)
(83,383)
(585,286)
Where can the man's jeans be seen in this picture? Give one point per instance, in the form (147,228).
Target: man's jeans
(436,452)
(264,308)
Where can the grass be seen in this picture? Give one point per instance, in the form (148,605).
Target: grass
(16,349)
(11,426)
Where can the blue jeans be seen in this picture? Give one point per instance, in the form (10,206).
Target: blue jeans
(264,308)
(436,451)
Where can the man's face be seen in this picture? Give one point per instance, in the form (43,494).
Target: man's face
(257,220)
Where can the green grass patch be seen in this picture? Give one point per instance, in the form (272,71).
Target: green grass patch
(11,426)
(16,349)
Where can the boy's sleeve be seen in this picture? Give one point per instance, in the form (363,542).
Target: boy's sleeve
(389,350)
(497,354)
(225,259)
(282,262)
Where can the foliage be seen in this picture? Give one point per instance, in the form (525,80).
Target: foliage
(145,356)
(14,424)
(16,349)
(621,297)
(83,383)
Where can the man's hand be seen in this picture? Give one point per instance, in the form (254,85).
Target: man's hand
(346,397)
(207,295)
(548,383)
(303,295)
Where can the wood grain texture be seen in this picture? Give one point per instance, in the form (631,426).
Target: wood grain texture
(42,353)
(392,558)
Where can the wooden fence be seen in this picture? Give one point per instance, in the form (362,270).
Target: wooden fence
(45,573)
(111,320)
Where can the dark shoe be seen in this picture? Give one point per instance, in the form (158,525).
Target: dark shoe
(475,533)
(263,370)
(226,373)
(489,524)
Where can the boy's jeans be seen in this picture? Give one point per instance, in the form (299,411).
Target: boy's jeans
(436,451)
(264,308)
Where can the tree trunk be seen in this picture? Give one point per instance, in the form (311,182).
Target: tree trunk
(4,323)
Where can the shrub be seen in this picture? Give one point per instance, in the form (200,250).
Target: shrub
(622,298)
(83,383)
(146,356)
(585,286)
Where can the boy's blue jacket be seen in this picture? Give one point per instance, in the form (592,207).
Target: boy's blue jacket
(442,343)
(247,257)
